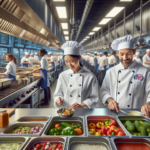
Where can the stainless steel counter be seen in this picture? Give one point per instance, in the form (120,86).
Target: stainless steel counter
(53,112)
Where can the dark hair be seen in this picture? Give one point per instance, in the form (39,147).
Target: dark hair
(43,51)
(105,53)
(113,52)
(76,56)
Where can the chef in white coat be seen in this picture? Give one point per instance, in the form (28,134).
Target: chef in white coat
(76,87)
(127,84)
(25,60)
(36,58)
(31,58)
(112,60)
(146,59)
(137,58)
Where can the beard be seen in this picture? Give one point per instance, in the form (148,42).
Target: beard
(126,64)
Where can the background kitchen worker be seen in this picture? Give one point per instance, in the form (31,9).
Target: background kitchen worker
(127,84)
(112,60)
(51,61)
(36,58)
(76,87)
(31,58)
(137,58)
(95,62)
(45,75)
(11,67)
(146,59)
(25,60)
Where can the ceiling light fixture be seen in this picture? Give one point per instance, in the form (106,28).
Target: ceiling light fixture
(87,37)
(91,33)
(125,0)
(64,25)
(115,11)
(96,28)
(66,37)
(66,32)
(61,10)
(105,20)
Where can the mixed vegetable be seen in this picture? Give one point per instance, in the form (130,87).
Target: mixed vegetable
(137,127)
(26,130)
(66,112)
(47,146)
(10,146)
(65,128)
(106,128)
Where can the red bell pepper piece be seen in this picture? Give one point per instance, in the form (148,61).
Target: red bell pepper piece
(109,132)
(112,123)
(115,129)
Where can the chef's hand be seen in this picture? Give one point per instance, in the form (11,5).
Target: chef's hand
(34,70)
(112,105)
(30,64)
(146,109)
(76,105)
(59,101)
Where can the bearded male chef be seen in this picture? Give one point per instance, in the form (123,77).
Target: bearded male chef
(126,85)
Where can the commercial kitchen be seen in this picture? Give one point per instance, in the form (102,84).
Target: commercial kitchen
(74,74)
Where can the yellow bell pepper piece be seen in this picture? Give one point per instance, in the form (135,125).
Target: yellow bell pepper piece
(97,134)
(100,125)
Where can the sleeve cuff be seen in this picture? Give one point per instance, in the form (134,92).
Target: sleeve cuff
(89,103)
(105,98)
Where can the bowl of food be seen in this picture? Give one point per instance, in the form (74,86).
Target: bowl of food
(135,113)
(65,113)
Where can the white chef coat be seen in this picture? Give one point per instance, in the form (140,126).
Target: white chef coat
(25,59)
(52,58)
(11,68)
(36,58)
(102,61)
(81,87)
(44,65)
(92,61)
(146,58)
(130,88)
(112,60)
(137,60)
(31,59)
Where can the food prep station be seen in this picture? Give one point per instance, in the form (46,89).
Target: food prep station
(27,95)
(47,118)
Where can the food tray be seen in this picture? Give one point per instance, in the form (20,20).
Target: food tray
(32,118)
(11,139)
(4,83)
(133,118)
(128,140)
(96,119)
(16,125)
(57,120)
(89,140)
(33,141)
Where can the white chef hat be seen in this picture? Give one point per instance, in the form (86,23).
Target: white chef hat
(26,53)
(148,50)
(31,54)
(95,52)
(137,53)
(36,53)
(49,53)
(127,41)
(72,48)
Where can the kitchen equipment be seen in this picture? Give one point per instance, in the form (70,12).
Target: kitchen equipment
(10,139)
(35,99)
(36,140)
(4,83)
(64,116)
(57,120)
(135,113)
(123,112)
(25,74)
(88,140)
(16,125)
(96,119)
(141,43)
(4,118)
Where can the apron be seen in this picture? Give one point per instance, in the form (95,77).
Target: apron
(10,76)
(59,65)
(25,65)
(105,69)
(43,74)
(110,66)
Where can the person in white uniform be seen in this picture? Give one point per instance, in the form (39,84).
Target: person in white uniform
(31,58)
(45,76)
(112,60)
(10,70)
(137,58)
(36,58)
(25,60)
(76,87)
(146,59)
(127,84)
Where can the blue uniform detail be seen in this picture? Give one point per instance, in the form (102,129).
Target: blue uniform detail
(10,76)
(110,66)
(25,65)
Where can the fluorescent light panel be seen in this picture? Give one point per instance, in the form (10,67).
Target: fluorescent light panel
(115,11)
(87,37)
(96,28)
(64,25)
(66,32)
(125,0)
(105,20)
(61,10)
(66,37)
(91,33)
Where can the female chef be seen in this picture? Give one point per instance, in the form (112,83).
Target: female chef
(44,74)
(11,67)
(76,87)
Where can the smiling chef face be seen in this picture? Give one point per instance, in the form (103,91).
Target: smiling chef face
(126,56)
(72,61)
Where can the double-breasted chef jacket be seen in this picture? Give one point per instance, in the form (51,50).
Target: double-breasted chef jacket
(130,88)
(146,58)
(81,87)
